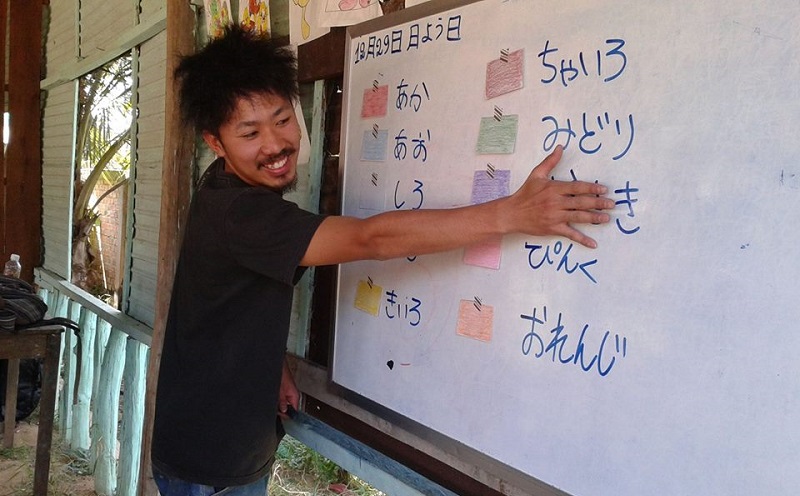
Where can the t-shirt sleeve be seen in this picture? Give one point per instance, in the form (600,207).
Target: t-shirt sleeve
(268,234)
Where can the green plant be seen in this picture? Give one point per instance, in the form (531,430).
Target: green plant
(17,453)
(301,470)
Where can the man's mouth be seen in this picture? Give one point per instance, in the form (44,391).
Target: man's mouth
(276,162)
(273,165)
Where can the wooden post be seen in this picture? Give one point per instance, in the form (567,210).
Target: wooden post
(83,395)
(10,420)
(59,309)
(132,412)
(23,161)
(105,426)
(175,194)
(70,371)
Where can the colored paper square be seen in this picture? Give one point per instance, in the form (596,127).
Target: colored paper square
(372,195)
(505,76)
(375,101)
(490,185)
(373,148)
(475,321)
(497,136)
(486,254)
(368,298)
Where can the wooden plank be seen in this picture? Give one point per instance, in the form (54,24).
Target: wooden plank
(11,385)
(175,194)
(83,398)
(46,411)
(3,32)
(322,58)
(23,214)
(132,417)
(59,309)
(370,465)
(71,370)
(105,431)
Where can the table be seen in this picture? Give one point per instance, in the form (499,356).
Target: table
(42,342)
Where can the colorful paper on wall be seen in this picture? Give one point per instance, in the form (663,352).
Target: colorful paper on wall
(498,135)
(373,148)
(505,74)
(303,22)
(347,12)
(475,320)
(368,297)
(372,195)
(375,102)
(254,15)
(218,16)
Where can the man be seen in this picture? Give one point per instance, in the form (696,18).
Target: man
(223,379)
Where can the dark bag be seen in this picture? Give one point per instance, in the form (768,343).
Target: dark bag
(29,388)
(19,297)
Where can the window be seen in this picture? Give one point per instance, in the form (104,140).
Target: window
(102,172)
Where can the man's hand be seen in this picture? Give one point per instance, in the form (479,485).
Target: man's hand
(544,207)
(289,395)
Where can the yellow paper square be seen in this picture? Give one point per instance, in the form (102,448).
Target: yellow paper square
(368,298)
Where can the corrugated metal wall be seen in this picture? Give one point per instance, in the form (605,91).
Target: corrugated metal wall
(58,136)
(89,28)
(147,192)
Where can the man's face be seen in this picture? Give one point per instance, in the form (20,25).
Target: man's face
(260,142)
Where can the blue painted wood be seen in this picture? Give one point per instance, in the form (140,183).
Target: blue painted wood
(359,459)
(134,378)
(105,431)
(80,438)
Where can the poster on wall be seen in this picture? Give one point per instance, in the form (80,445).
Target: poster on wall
(303,22)
(254,15)
(218,16)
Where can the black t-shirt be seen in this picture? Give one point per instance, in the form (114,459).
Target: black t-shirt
(225,339)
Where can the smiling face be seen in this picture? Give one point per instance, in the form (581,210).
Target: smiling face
(260,142)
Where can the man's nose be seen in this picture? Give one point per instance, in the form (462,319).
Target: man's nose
(271,143)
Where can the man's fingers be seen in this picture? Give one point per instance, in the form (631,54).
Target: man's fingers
(582,188)
(588,203)
(587,217)
(577,236)
(547,165)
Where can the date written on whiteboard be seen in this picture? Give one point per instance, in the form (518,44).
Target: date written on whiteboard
(552,340)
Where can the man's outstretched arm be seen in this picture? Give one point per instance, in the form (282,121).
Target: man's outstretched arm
(541,207)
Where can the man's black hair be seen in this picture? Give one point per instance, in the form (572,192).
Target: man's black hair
(239,64)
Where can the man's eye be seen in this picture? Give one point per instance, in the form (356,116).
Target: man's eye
(250,135)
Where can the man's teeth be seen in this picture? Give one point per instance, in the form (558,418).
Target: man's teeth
(275,165)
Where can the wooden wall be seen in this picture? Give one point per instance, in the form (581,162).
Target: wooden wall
(20,212)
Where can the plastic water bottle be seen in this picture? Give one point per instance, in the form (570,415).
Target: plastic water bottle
(13,268)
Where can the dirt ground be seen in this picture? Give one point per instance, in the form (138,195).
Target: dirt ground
(16,466)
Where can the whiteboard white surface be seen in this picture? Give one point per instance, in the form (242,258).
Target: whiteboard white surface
(690,305)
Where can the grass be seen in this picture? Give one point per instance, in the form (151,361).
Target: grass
(299,470)
(17,453)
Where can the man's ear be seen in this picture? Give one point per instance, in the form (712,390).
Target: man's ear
(214,143)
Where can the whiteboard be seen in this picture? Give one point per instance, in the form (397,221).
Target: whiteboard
(663,362)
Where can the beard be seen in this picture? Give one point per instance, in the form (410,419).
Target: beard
(291,186)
